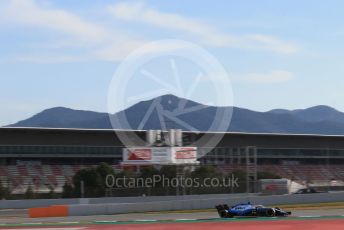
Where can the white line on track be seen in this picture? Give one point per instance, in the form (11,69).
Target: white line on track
(145,220)
(69,222)
(33,223)
(105,221)
(185,219)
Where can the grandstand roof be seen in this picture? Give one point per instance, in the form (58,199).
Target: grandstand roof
(105,137)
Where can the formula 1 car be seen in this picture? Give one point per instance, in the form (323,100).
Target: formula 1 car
(249,210)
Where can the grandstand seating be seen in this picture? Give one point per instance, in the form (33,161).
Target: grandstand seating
(44,177)
(41,177)
(299,173)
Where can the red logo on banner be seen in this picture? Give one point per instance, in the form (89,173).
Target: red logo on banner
(186,153)
(139,154)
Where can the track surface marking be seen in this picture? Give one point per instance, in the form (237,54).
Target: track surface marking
(265,225)
(313,224)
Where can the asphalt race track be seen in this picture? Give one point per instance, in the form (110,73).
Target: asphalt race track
(302,219)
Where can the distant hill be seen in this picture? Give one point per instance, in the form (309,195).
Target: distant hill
(60,117)
(314,120)
(315,114)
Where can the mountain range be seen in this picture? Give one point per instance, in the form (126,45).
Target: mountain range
(315,120)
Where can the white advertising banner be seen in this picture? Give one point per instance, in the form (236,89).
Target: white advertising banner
(160,155)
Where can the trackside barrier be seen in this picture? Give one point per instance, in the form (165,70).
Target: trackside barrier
(196,204)
(52,211)
(193,203)
(25,204)
(38,212)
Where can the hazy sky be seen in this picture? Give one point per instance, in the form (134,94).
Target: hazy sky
(279,54)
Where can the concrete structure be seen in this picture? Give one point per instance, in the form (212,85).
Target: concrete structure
(47,139)
(52,156)
(109,206)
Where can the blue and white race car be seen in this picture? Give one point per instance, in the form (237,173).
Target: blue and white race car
(249,210)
